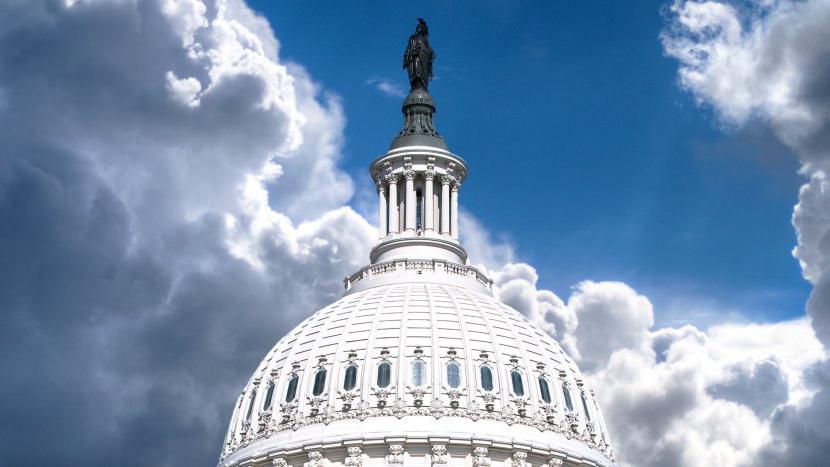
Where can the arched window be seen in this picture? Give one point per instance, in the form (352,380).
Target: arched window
(319,382)
(585,406)
(568,402)
(250,406)
(350,380)
(486,377)
(269,396)
(518,384)
(453,374)
(291,392)
(419,373)
(384,374)
(544,389)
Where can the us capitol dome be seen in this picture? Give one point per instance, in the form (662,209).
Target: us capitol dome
(417,364)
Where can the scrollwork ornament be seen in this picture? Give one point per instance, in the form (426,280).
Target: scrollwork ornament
(399,408)
(354,457)
(279,462)
(315,459)
(395,455)
(437,409)
(555,462)
(519,459)
(481,457)
(439,454)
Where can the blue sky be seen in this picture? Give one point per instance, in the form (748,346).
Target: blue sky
(584,151)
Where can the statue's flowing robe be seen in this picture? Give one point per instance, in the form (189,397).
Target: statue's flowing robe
(417,60)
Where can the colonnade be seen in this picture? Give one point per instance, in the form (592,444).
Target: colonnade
(390,209)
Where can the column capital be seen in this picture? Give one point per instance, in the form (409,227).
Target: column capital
(447,179)
(409,174)
(429,175)
(380,184)
(391,178)
(456,186)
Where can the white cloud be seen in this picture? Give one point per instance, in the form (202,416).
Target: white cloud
(768,61)
(387,86)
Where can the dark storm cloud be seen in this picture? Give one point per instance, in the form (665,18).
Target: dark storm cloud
(128,327)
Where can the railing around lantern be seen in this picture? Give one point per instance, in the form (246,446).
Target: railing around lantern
(417,265)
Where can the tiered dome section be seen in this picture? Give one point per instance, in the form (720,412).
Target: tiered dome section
(417,364)
(417,372)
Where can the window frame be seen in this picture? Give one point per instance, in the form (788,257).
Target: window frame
(271,387)
(456,364)
(567,397)
(412,364)
(294,378)
(543,379)
(481,377)
(516,370)
(349,366)
(391,373)
(321,370)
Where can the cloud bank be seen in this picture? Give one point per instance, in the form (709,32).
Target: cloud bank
(172,205)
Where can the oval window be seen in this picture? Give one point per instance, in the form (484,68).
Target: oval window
(453,374)
(384,374)
(250,406)
(486,378)
(544,389)
(319,382)
(585,406)
(350,380)
(269,395)
(568,402)
(419,373)
(291,392)
(518,385)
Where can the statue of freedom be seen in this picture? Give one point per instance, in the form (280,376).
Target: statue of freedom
(418,57)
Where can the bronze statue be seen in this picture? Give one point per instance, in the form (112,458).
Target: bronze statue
(417,59)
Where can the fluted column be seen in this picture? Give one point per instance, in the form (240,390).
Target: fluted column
(382,208)
(393,203)
(410,199)
(454,210)
(429,216)
(445,204)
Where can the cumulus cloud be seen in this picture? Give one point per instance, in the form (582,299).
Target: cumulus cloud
(171,205)
(767,61)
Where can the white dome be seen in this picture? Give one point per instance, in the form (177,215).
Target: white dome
(401,315)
